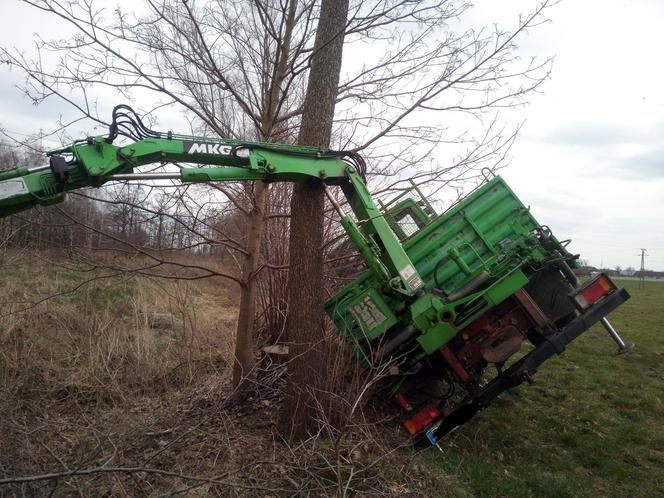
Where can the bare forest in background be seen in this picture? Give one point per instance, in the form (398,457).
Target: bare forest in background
(156,226)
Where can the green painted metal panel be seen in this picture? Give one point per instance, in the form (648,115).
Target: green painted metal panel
(490,231)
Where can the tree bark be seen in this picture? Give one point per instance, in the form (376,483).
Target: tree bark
(244,343)
(306,388)
(244,336)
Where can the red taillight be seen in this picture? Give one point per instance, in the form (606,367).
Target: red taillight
(421,419)
(593,291)
(403,402)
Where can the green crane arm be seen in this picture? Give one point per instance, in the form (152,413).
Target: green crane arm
(96,161)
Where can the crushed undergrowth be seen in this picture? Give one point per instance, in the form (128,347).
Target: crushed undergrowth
(203,444)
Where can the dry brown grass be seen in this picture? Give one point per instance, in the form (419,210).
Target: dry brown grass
(109,339)
(131,372)
(77,356)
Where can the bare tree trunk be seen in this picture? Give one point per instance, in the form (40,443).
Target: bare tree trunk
(244,350)
(244,344)
(305,323)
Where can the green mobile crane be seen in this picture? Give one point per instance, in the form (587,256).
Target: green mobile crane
(443,297)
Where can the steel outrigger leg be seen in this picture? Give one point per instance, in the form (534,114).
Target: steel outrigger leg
(622,347)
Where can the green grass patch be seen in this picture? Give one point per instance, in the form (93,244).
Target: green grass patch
(96,289)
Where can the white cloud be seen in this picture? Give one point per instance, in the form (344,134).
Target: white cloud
(591,160)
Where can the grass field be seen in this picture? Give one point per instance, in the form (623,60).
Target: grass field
(135,372)
(591,425)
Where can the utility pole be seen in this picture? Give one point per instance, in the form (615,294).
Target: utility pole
(642,273)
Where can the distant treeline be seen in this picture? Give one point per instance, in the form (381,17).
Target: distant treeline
(119,216)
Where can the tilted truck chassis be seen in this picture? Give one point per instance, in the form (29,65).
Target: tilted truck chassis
(438,304)
(522,370)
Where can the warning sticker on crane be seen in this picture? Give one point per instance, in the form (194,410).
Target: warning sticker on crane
(407,272)
(10,188)
(410,275)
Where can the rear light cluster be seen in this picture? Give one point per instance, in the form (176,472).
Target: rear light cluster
(421,419)
(593,291)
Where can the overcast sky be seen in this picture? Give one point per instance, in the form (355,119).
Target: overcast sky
(590,158)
